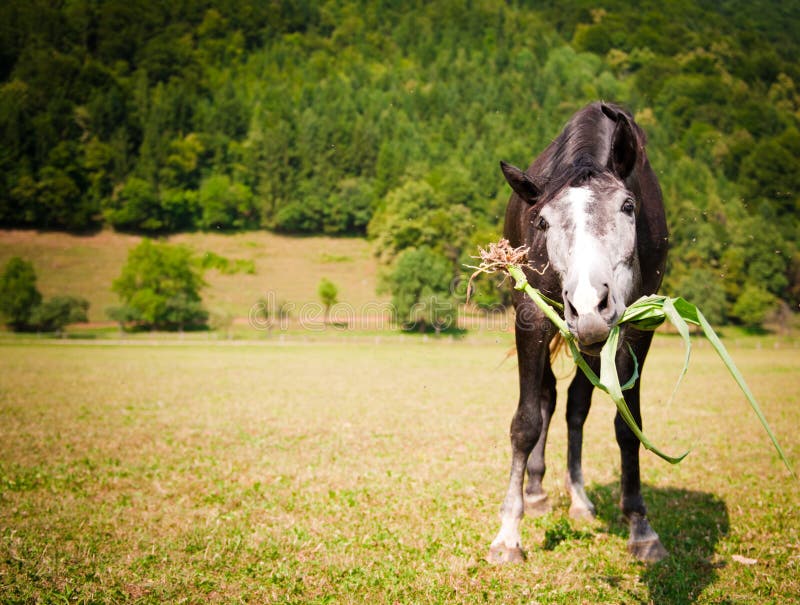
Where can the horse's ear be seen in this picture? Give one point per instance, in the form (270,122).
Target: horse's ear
(622,155)
(522,184)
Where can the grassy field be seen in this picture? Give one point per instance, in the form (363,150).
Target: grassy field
(353,473)
(290,267)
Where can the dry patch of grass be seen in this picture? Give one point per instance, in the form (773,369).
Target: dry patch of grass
(348,473)
(289,267)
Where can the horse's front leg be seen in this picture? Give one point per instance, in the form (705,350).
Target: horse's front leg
(644,542)
(579,400)
(533,334)
(536,502)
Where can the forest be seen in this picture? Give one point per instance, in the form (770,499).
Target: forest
(388,119)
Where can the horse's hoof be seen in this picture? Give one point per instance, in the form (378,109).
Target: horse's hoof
(537,505)
(582,513)
(648,551)
(501,554)
(644,543)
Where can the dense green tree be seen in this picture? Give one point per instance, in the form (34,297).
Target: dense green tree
(415,215)
(124,315)
(19,297)
(54,314)
(159,287)
(179,208)
(135,207)
(350,207)
(328,294)
(403,221)
(704,288)
(182,165)
(225,204)
(772,172)
(420,284)
(753,306)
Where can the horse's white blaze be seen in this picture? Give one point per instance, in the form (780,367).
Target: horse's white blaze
(585,252)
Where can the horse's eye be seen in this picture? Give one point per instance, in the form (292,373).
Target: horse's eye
(629,206)
(542,224)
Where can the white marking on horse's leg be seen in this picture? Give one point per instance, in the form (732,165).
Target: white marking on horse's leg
(581,507)
(534,500)
(508,536)
(585,298)
(507,545)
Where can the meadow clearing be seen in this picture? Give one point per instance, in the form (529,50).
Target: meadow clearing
(288,268)
(355,471)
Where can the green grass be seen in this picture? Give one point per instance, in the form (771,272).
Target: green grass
(290,267)
(337,472)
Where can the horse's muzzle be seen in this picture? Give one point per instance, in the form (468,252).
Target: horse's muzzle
(591,330)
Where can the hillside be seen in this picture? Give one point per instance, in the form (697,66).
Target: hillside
(289,267)
(389,119)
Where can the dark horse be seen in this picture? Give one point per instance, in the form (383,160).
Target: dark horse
(590,209)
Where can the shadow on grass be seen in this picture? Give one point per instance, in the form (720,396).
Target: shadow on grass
(690,525)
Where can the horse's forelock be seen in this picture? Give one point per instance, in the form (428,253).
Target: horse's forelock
(582,169)
(578,173)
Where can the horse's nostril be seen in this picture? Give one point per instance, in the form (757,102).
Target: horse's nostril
(572,309)
(604,302)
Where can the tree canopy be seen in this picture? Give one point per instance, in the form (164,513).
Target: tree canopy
(389,118)
(328,293)
(160,288)
(21,302)
(19,296)
(420,286)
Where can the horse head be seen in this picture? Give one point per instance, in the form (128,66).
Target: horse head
(582,236)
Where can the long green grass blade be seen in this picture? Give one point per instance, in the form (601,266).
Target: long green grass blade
(680,312)
(635,376)
(534,294)
(728,361)
(687,310)
(647,313)
(671,312)
(611,384)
